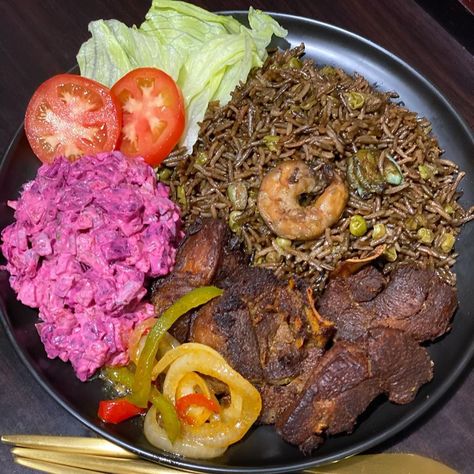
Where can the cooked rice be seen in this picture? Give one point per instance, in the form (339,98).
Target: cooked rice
(307,110)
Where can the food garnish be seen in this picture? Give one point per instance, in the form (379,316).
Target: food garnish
(153,114)
(228,422)
(207,424)
(146,362)
(70,116)
(124,378)
(205,53)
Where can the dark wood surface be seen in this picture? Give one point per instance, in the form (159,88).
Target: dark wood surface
(40,38)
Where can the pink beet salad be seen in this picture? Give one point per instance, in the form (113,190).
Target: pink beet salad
(86,237)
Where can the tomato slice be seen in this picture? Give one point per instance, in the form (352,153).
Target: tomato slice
(153,113)
(70,115)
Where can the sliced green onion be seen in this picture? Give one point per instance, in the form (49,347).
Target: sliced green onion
(427,171)
(327,71)
(449,209)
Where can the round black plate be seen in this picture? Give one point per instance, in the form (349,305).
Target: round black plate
(262,450)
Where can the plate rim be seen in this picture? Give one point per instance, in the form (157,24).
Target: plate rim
(183,463)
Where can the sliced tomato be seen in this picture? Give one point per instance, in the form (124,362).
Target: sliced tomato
(153,113)
(70,115)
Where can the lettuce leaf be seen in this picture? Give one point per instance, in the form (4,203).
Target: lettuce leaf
(205,53)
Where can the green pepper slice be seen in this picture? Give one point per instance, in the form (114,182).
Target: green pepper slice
(142,381)
(169,417)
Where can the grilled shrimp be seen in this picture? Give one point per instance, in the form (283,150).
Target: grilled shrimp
(279,206)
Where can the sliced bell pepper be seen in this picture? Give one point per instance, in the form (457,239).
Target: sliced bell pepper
(119,375)
(194,399)
(117,410)
(169,418)
(142,381)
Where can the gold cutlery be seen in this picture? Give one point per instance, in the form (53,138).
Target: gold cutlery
(55,454)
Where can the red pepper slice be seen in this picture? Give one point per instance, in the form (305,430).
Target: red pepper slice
(117,410)
(183,403)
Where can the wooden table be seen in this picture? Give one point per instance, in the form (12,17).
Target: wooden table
(41,38)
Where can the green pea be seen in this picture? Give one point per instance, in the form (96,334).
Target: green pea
(447,242)
(378,231)
(355,100)
(201,158)
(425,235)
(238,196)
(295,63)
(327,71)
(415,222)
(424,172)
(427,171)
(273,257)
(283,243)
(449,209)
(181,195)
(233,221)
(390,253)
(164,174)
(411,223)
(271,142)
(357,226)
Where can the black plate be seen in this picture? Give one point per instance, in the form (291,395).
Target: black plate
(262,450)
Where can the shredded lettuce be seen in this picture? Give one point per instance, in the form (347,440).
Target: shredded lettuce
(205,53)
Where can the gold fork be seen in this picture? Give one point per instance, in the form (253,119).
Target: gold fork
(55,454)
